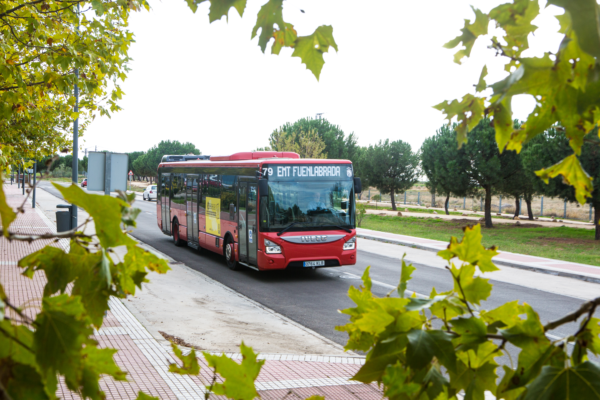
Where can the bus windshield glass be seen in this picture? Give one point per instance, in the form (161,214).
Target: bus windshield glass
(309,205)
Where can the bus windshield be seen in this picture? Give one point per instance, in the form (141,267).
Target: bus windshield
(310,205)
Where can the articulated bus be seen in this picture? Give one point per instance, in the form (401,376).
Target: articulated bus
(265,210)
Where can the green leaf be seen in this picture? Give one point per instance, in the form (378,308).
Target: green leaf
(239,378)
(16,342)
(7,215)
(397,382)
(503,122)
(26,383)
(405,276)
(61,332)
(481,85)
(98,362)
(579,382)
(375,320)
(472,332)
(507,314)
(436,382)
(471,250)
(476,371)
(220,8)
(106,212)
(468,112)
(585,17)
(55,263)
(285,37)
(477,290)
(515,18)
(383,354)
(366,279)
(470,32)
(190,362)
(144,396)
(92,286)
(573,174)
(311,48)
(424,345)
(270,14)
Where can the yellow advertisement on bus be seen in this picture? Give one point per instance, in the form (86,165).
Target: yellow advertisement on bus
(213,216)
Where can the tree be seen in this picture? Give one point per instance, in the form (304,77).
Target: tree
(45,42)
(488,168)
(392,167)
(524,182)
(307,144)
(131,159)
(337,144)
(564,83)
(43,58)
(552,147)
(446,166)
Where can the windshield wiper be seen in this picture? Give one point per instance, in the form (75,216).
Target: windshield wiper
(336,226)
(286,228)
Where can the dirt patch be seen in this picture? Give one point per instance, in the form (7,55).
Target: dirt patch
(570,241)
(178,341)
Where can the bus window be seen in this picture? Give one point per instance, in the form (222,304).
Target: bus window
(228,195)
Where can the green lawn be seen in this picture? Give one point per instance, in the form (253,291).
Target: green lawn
(569,244)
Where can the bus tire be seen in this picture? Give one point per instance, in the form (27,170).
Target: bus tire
(228,251)
(176,239)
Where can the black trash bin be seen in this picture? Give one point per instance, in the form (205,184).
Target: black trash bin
(63,218)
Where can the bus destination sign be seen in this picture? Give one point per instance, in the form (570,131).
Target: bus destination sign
(296,172)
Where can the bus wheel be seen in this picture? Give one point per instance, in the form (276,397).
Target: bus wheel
(229,255)
(176,239)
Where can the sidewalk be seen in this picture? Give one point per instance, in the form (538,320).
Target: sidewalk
(538,264)
(146,358)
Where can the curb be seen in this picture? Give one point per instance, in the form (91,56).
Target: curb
(572,275)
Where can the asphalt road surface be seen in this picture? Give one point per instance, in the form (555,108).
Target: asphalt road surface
(313,298)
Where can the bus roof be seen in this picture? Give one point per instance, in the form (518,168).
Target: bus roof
(254,158)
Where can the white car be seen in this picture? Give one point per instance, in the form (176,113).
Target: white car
(150,193)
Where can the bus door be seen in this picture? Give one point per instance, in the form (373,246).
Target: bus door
(248,232)
(165,198)
(191,212)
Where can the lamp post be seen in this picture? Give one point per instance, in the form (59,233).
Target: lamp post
(75,137)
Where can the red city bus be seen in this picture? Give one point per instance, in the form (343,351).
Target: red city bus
(264,210)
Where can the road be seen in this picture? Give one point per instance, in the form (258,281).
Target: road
(313,298)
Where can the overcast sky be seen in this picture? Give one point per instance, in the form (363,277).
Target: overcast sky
(209,84)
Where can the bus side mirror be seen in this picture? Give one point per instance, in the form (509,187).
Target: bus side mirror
(231,211)
(357,186)
(263,187)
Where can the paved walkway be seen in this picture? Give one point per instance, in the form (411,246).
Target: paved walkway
(543,265)
(147,360)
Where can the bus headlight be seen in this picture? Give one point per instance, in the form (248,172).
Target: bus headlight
(350,244)
(272,248)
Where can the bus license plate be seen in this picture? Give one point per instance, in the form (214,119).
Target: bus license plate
(314,263)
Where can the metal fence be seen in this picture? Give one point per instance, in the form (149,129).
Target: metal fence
(541,206)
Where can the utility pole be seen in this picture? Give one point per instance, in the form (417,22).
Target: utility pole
(86,165)
(34,178)
(75,137)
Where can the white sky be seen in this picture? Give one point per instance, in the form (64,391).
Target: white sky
(209,84)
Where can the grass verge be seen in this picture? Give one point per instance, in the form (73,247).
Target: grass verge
(568,244)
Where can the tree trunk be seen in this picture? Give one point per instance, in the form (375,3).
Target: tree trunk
(597,219)
(488,207)
(393,200)
(529,209)
(446,203)
(433,198)
(517,207)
